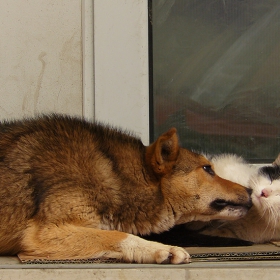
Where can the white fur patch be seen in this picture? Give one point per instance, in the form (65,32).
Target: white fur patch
(234,168)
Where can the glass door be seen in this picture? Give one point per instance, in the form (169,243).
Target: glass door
(216,75)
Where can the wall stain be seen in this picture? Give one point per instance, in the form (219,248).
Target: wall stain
(39,81)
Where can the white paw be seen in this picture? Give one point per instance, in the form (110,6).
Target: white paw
(136,249)
(174,255)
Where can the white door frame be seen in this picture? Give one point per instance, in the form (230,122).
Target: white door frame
(115,64)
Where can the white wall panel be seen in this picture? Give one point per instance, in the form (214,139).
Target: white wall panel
(40,57)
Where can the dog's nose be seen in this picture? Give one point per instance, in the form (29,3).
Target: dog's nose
(250,204)
(249,191)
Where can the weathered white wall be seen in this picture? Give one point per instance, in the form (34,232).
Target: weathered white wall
(40,57)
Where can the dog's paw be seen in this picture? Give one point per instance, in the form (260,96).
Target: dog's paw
(173,255)
(136,249)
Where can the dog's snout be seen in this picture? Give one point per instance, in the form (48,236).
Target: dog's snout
(220,204)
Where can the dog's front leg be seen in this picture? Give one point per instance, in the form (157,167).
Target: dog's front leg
(69,241)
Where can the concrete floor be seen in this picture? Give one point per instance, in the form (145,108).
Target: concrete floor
(11,268)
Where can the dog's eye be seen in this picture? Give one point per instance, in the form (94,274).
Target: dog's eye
(208,169)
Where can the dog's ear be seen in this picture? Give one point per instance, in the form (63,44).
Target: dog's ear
(277,161)
(163,153)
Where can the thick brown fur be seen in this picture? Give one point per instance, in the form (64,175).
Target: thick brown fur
(74,189)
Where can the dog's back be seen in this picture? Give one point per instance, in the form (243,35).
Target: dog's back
(42,161)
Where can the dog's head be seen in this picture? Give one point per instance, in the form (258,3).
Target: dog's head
(190,185)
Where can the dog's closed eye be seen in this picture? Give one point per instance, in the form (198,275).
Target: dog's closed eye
(209,170)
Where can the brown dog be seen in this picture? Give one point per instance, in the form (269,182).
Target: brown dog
(72,189)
